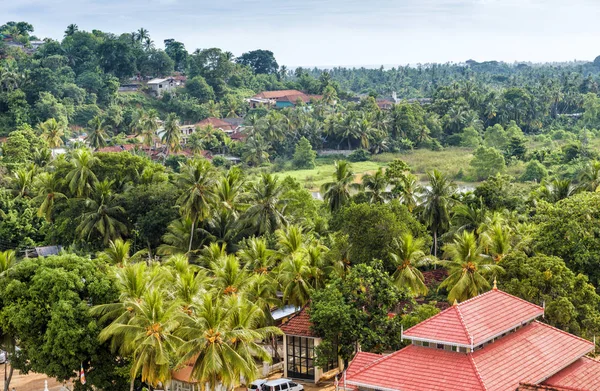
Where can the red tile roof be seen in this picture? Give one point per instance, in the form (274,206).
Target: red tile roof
(361,360)
(298,325)
(216,122)
(529,355)
(416,368)
(582,375)
(277,94)
(481,318)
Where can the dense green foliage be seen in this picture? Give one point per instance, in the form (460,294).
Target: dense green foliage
(192,237)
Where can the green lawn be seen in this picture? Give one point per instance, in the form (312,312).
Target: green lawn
(451,161)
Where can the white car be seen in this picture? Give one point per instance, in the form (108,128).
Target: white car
(2,356)
(256,385)
(282,385)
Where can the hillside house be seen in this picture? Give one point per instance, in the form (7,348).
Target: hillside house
(160,86)
(281,99)
(492,342)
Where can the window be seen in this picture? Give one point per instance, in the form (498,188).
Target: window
(440,345)
(160,86)
(300,354)
(426,344)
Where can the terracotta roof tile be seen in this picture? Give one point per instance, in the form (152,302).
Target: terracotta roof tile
(416,368)
(481,318)
(530,355)
(361,360)
(216,122)
(582,375)
(298,325)
(277,94)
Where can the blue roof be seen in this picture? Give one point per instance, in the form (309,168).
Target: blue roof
(284,312)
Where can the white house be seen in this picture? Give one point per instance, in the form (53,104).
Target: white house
(159,86)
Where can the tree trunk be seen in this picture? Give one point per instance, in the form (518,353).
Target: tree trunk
(9,378)
(435,243)
(131,384)
(192,235)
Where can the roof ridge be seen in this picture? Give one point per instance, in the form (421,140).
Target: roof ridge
(518,298)
(381,356)
(462,321)
(426,320)
(476,297)
(564,332)
(476,371)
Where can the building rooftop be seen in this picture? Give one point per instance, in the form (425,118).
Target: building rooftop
(531,356)
(582,375)
(298,325)
(476,321)
(277,94)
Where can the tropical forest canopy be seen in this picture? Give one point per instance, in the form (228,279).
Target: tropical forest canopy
(389,191)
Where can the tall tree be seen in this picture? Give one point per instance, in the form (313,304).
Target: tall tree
(52,132)
(81,178)
(96,133)
(437,203)
(467,268)
(172,133)
(197,181)
(337,193)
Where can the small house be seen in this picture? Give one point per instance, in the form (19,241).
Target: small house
(299,343)
(160,86)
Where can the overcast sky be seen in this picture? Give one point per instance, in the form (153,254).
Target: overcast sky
(341,32)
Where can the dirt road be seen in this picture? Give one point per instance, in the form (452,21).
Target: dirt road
(30,382)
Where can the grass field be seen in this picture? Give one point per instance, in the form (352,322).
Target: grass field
(451,161)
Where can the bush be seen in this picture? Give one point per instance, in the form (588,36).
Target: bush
(534,171)
(359,155)
(304,156)
(219,161)
(487,162)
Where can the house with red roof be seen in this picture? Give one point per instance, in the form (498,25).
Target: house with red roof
(281,98)
(492,342)
(299,343)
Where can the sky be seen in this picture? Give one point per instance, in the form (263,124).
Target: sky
(341,32)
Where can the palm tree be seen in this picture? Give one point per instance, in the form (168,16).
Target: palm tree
(295,276)
(337,193)
(81,178)
(197,181)
(229,277)
(557,190)
(497,241)
(142,34)
(265,214)
(177,238)
(8,259)
(119,253)
(409,191)
(256,150)
(437,202)
(290,240)
(71,29)
(41,156)
(256,256)
(407,257)
(22,181)
(376,187)
(145,125)
(104,215)
(467,268)
(172,134)
(590,177)
(148,337)
(52,131)
(48,186)
(221,341)
(96,133)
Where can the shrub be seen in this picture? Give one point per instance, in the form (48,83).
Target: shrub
(534,171)
(359,155)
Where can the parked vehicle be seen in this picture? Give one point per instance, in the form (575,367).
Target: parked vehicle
(256,385)
(2,356)
(282,385)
